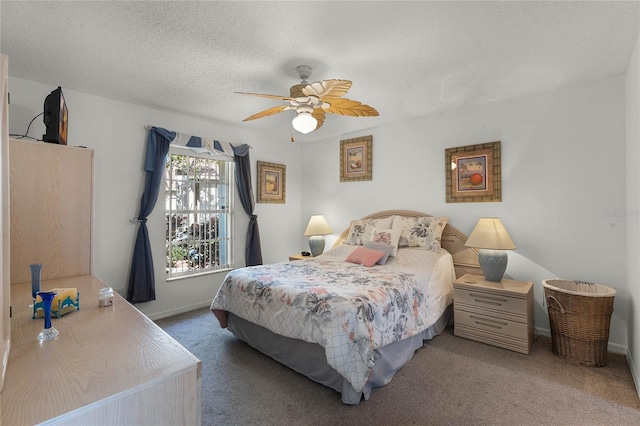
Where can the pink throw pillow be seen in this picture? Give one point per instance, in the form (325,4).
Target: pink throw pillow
(365,257)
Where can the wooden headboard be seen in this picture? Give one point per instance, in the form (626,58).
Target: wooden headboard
(465,259)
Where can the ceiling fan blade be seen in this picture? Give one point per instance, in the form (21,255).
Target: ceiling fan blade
(262,95)
(268,112)
(327,88)
(344,106)
(318,114)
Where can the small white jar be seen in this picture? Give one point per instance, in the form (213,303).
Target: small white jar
(105,297)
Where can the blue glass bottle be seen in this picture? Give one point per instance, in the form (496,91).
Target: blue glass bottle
(48,332)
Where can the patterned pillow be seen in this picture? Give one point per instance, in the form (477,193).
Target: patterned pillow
(424,232)
(360,231)
(387,249)
(387,236)
(364,256)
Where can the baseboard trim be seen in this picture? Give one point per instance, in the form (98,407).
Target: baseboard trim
(611,347)
(634,372)
(180,310)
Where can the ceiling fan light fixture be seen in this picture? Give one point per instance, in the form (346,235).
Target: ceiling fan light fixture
(311,102)
(304,122)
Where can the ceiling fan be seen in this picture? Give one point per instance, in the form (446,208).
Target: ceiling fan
(311,101)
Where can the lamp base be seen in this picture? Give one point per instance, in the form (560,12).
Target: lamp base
(493,264)
(316,245)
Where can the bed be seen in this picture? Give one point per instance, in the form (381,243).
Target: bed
(355,315)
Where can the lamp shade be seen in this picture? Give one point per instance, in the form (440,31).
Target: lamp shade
(490,233)
(318,226)
(304,122)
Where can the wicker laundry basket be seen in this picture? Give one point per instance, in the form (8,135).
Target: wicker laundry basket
(579,316)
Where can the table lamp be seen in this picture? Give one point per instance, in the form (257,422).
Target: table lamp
(491,237)
(316,228)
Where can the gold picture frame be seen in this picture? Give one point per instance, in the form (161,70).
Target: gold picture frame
(272,183)
(356,159)
(473,173)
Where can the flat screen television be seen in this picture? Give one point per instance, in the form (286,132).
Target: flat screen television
(56,118)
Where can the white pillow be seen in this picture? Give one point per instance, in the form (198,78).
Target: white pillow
(387,236)
(360,231)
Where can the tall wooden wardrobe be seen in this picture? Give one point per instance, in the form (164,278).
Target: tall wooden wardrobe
(109,365)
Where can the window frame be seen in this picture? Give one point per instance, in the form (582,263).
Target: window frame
(230,197)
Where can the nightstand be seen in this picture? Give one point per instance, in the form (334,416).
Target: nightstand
(299,257)
(496,313)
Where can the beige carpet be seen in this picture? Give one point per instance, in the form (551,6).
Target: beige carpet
(449,381)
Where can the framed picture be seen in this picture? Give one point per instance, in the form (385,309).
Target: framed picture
(473,173)
(355,159)
(272,183)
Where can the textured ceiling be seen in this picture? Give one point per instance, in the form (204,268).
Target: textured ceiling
(406,59)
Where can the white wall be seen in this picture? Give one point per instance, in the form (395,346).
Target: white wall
(563,175)
(563,184)
(632,126)
(115,130)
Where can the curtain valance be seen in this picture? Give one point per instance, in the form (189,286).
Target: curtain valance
(198,144)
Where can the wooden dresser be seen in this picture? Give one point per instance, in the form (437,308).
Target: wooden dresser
(109,365)
(496,313)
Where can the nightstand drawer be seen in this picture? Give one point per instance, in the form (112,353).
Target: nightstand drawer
(491,324)
(496,302)
(496,313)
(499,340)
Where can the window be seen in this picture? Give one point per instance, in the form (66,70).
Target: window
(198,214)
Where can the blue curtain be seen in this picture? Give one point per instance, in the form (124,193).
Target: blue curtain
(253,250)
(142,286)
(141,277)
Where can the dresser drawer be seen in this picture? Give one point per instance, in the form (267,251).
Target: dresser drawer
(492,324)
(496,302)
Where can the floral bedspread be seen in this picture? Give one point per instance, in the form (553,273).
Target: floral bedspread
(348,309)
